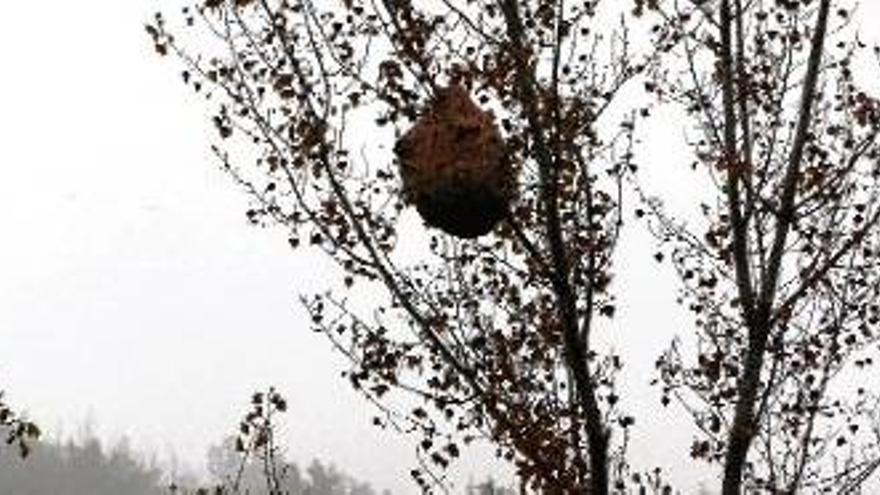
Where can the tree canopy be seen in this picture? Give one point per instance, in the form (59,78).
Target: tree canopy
(513,128)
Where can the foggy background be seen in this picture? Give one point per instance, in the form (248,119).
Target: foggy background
(135,296)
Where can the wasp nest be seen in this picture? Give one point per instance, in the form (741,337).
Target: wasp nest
(454,166)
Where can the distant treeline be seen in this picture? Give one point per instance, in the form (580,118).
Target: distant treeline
(87,467)
(257,477)
(83,468)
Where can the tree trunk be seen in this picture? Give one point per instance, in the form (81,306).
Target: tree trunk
(744,425)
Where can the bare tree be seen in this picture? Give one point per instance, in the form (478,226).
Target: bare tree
(490,335)
(501,116)
(783,279)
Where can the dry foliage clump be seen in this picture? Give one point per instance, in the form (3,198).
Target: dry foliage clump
(454,166)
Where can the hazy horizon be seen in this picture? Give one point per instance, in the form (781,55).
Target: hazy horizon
(134,292)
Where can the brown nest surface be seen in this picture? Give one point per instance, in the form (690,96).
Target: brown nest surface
(454,166)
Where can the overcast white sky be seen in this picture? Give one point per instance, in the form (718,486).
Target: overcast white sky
(131,288)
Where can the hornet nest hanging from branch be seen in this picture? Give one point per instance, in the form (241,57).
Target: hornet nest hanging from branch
(454,166)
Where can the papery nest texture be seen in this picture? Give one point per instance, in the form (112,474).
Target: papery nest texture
(454,166)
